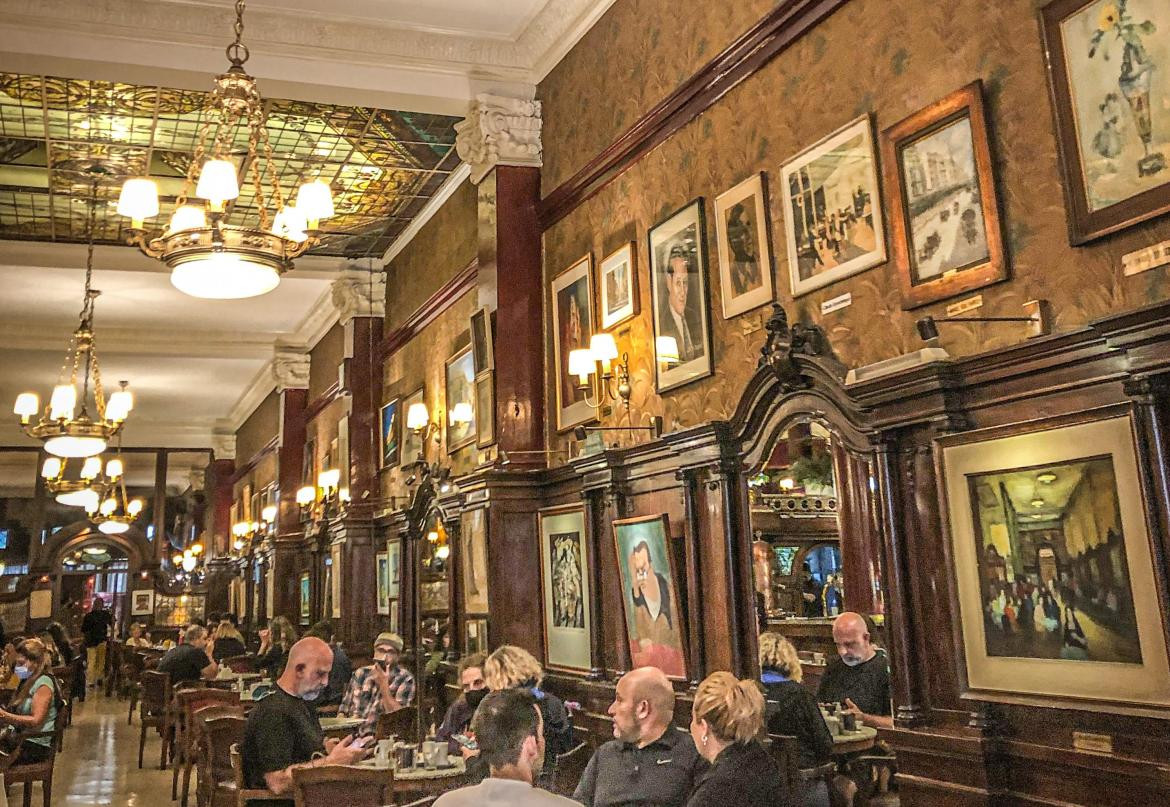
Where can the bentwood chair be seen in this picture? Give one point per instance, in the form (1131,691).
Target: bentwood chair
(351,785)
(197,747)
(400,724)
(241,664)
(786,752)
(129,684)
(154,711)
(570,767)
(244,794)
(216,785)
(15,771)
(186,703)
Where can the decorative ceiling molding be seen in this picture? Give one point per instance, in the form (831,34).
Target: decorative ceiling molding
(499,130)
(223,445)
(290,369)
(359,293)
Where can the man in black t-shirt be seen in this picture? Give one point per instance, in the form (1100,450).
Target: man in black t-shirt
(95,628)
(283,731)
(189,661)
(860,676)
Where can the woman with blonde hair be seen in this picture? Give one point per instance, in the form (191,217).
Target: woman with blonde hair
(511,667)
(727,717)
(274,646)
(138,637)
(34,704)
(227,642)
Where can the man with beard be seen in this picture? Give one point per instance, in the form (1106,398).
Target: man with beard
(510,732)
(860,676)
(283,732)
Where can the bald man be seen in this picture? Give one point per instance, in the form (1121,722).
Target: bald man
(283,732)
(859,677)
(649,762)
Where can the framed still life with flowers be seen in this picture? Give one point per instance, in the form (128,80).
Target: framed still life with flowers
(1108,75)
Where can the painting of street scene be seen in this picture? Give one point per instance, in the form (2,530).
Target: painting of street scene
(1054,578)
(947,229)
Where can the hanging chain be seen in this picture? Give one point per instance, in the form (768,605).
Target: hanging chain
(237,52)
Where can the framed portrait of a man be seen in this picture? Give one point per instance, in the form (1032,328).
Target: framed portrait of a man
(678,293)
(142,603)
(654,624)
(745,251)
(564,577)
(572,307)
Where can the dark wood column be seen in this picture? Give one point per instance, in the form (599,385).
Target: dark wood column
(160,506)
(595,510)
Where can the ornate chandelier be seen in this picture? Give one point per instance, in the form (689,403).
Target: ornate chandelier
(88,489)
(117,511)
(208,257)
(64,431)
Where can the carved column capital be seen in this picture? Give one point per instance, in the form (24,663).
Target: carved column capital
(223,445)
(290,369)
(499,130)
(358,293)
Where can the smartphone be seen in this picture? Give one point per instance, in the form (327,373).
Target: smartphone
(465,741)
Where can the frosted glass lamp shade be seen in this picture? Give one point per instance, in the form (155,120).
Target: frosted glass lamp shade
(138,200)
(603,348)
(306,495)
(63,402)
(268,514)
(217,182)
(224,276)
(67,446)
(187,217)
(417,417)
(119,405)
(114,469)
(108,507)
(329,479)
(52,468)
(290,224)
(27,405)
(134,508)
(582,363)
(91,467)
(113,527)
(315,202)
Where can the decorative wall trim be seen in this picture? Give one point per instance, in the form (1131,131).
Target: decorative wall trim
(322,401)
(425,314)
(445,192)
(760,44)
(255,459)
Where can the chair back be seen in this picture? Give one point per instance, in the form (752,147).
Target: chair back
(401,724)
(156,691)
(188,701)
(241,664)
(570,767)
(237,764)
(785,751)
(220,733)
(350,785)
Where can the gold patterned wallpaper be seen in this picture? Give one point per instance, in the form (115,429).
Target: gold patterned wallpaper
(890,59)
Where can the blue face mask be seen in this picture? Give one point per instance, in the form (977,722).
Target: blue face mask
(22,672)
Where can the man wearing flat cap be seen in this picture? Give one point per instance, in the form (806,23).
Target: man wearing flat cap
(380,688)
(682,319)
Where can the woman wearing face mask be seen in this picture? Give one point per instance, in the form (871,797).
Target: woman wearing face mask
(34,705)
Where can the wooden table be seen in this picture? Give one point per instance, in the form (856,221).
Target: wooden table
(419,781)
(339,726)
(850,742)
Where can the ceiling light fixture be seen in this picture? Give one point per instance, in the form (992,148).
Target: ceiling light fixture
(209,257)
(117,511)
(88,489)
(64,431)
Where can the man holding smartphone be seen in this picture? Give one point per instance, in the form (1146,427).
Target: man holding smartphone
(381,687)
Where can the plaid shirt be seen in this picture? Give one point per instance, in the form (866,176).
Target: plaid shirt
(362,698)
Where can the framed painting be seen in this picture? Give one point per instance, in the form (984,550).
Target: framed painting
(654,624)
(481,340)
(475,637)
(485,409)
(460,420)
(618,286)
(678,295)
(412,441)
(1107,62)
(394,607)
(434,596)
(833,214)
(382,565)
(306,599)
(943,213)
(142,603)
(473,559)
(309,462)
(564,578)
(572,308)
(335,580)
(1050,547)
(745,248)
(393,569)
(389,417)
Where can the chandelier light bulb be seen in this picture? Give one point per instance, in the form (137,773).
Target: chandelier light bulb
(189,563)
(114,468)
(138,200)
(134,508)
(108,507)
(27,405)
(187,217)
(443,552)
(119,405)
(217,183)
(91,503)
(238,544)
(224,276)
(196,549)
(52,468)
(63,402)
(290,223)
(91,468)
(315,202)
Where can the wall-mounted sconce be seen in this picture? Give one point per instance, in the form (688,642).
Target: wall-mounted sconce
(418,420)
(597,374)
(666,349)
(1039,320)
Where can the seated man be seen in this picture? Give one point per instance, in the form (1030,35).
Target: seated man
(189,661)
(379,688)
(860,676)
(649,761)
(283,733)
(459,713)
(510,732)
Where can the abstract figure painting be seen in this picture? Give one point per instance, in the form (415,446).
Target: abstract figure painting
(654,622)
(565,583)
(1107,70)
(1052,560)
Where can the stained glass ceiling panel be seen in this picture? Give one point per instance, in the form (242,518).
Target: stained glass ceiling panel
(382,164)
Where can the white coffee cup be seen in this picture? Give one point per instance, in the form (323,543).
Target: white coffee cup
(382,752)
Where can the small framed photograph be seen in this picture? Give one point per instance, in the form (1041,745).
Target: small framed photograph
(833,214)
(485,408)
(382,563)
(475,640)
(944,214)
(481,340)
(678,293)
(412,441)
(1111,101)
(745,249)
(142,603)
(460,419)
(618,286)
(388,420)
(572,305)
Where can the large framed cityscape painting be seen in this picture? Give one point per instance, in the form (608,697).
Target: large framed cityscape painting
(679,298)
(654,620)
(832,210)
(1107,73)
(944,216)
(1053,568)
(564,577)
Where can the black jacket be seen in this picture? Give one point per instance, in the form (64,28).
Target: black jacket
(793,711)
(743,775)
